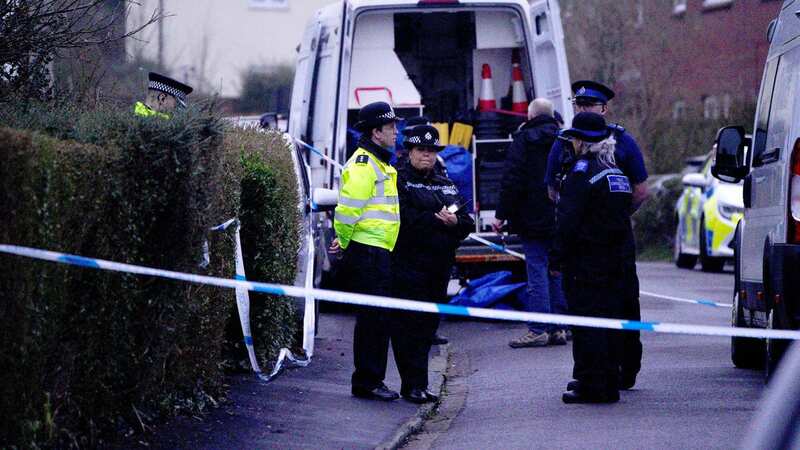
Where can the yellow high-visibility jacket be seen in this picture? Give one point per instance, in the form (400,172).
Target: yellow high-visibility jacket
(140,109)
(368,210)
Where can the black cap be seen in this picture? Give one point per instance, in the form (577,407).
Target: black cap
(169,86)
(423,136)
(589,127)
(416,120)
(375,115)
(592,90)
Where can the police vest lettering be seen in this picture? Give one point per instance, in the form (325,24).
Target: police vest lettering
(447,190)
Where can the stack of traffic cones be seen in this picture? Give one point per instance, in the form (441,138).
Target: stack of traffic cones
(488,124)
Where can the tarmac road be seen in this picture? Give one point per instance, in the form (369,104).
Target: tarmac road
(688,394)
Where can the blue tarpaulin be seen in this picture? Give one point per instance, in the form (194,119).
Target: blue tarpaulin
(490,291)
(459,168)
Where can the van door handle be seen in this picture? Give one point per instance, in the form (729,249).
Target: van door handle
(747,188)
(770,155)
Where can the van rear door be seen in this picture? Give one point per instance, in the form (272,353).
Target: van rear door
(550,71)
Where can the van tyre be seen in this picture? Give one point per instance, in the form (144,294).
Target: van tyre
(774,350)
(708,263)
(746,353)
(682,260)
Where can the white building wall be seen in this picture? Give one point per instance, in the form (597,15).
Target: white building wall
(210,43)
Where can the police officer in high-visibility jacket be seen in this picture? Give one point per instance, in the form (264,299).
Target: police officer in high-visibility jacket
(367,223)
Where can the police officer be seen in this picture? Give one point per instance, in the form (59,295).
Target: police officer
(164,95)
(367,222)
(433,224)
(593,225)
(401,152)
(591,96)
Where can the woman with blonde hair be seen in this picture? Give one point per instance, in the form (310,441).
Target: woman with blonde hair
(592,224)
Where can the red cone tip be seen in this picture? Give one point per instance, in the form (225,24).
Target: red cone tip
(486,73)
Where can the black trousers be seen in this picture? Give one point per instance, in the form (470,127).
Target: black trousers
(366,269)
(597,352)
(413,331)
(631,357)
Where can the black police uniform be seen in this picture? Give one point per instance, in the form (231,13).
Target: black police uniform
(593,223)
(421,262)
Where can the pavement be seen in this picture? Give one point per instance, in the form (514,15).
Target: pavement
(307,407)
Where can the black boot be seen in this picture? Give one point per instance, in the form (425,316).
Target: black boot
(378,393)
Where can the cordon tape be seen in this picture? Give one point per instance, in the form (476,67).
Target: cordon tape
(394,303)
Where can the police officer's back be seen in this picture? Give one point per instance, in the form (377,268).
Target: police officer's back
(593,225)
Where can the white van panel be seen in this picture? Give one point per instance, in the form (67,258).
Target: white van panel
(497,29)
(550,74)
(377,74)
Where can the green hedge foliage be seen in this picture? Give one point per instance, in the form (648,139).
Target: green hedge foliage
(654,222)
(89,356)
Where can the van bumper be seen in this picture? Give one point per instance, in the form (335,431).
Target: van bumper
(783,287)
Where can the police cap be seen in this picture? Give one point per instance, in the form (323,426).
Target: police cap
(423,136)
(588,127)
(169,86)
(592,90)
(375,115)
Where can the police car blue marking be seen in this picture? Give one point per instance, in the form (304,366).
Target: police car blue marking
(618,183)
(79,261)
(642,326)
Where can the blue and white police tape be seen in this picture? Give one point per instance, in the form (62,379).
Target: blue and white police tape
(243,307)
(394,303)
(319,153)
(504,249)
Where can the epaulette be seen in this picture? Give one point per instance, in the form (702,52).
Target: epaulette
(362,159)
(616,127)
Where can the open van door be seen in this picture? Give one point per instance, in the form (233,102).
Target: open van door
(551,75)
(304,76)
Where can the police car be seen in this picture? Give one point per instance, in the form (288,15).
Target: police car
(706,216)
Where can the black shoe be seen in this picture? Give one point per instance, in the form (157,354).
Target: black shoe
(573,385)
(626,382)
(585,397)
(420,396)
(438,339)
(381,392)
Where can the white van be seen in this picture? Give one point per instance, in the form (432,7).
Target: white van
(767,261)
(423,57)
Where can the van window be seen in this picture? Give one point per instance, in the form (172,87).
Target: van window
(765,102)
(780,116)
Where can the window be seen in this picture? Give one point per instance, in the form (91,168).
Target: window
(678,7)
(268,4)
(712,4)
(764,106)
(780,115)
(711,107)
(678,110)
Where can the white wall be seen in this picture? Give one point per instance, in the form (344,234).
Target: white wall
(210,43)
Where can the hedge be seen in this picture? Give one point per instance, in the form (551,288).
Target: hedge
(90,356)
(654,223)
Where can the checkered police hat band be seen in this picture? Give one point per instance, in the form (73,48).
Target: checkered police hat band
(418,140)
(159,86)
(387,115)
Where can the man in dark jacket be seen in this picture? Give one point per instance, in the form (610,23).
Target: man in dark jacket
(524,203)
(432,224)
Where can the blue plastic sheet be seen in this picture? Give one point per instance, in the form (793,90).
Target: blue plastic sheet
(489,291)
(459,168)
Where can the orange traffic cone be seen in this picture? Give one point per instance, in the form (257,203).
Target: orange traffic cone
(519,100)
(486,100)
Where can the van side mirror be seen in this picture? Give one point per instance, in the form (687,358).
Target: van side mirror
(324,199)
(697,180)
(729,164)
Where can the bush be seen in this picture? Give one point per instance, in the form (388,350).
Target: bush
(654,222)
(90,355)
(266,89)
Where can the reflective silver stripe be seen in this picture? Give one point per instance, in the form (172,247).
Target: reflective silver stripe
(604,173)
(392,217)
(383,201)
(379,187)
(347,220)
(353,202)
